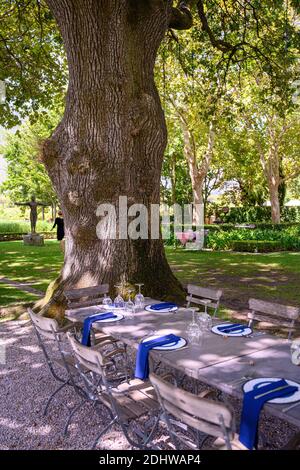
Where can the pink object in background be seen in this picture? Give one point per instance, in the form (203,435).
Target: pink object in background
(185,237)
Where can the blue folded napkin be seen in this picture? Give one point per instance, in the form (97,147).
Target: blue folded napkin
(231,328)
(87,325)
(252,407)
(162,306)
(142,364)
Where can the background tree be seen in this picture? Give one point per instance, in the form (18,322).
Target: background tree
(26,175)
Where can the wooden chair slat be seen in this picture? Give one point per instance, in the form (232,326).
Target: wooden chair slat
(193,405)
(195,300)
(278,321)
(84,303)
(72,294)
(276,310)
(201,425)
(204,292)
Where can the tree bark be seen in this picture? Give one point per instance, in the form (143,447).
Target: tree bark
(111,139)
(275,203)
(198,171)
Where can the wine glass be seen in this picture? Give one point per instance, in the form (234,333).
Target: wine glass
(139,299)
(205,321)
(193,329)
(129,305)
(119,301)
(106,301)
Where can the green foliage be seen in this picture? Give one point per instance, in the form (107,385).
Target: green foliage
(32,60)
(255,246)
(258,214)
(23,227)
(287,238)
(26,175)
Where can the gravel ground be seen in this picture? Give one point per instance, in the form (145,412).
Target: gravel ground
(25,384)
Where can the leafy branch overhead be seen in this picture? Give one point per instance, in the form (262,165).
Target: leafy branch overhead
(235,32)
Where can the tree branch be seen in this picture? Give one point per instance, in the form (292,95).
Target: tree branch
(223,46)
(181,17)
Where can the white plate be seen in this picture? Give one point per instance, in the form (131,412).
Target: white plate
(109,320)
(248,386)
(167,347)
(215,329)
(164,310)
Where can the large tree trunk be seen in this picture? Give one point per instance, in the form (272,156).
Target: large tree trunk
(111,140)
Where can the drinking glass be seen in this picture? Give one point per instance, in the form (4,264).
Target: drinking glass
(119,301)
(129,305)
(295,352)
(193,330)
(205,321)
(139,299)
(106,301)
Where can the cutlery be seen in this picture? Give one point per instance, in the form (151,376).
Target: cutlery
(242,379)
(271,391)
(287,408)
(258,333)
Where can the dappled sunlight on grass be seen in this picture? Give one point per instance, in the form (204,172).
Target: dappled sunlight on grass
(271,276)
(35,265)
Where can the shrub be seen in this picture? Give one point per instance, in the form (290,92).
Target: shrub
(255,214)
(288,238)
(256,246)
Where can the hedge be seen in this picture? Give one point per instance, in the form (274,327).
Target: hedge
(256,246)
(254,214)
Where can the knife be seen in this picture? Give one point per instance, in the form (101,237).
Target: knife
(271,391)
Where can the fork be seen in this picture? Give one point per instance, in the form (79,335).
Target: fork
(288,408)
(242,379)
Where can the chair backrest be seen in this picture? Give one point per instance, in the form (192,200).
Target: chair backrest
(90,358)
(198,413)
(277,314)
(86,296)
(46,327)
(196,294)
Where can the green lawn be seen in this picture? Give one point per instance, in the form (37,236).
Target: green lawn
(36,265)
(273,276)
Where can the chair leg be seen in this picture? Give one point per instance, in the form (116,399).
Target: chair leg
(103,432)
(148,438)
(52,396)
(72,412)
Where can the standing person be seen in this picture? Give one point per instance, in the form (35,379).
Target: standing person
(60,231)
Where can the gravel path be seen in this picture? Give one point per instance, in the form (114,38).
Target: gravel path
(25,384)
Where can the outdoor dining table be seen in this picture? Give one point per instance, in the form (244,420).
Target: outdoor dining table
(219,361)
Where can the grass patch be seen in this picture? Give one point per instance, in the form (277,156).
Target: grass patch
(271,276)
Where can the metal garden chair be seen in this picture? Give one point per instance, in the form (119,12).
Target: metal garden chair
(183,411)
(61,366)
(89,297)
(126,402)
